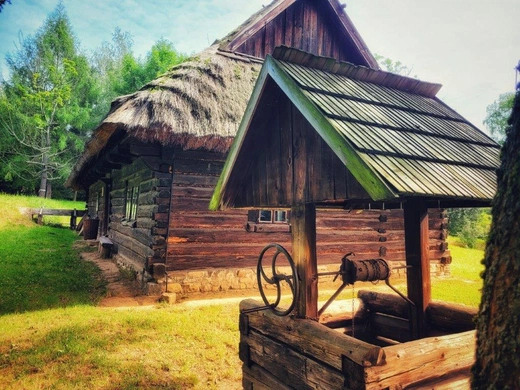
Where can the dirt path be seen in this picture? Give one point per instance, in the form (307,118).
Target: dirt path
(121,292)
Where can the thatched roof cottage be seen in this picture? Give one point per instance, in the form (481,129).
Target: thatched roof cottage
(152,164)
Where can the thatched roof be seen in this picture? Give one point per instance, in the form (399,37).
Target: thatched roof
(197,104)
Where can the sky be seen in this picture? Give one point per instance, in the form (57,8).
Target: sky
(469,46)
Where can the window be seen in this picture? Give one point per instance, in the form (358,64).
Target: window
(268,221)
(272,216)
(131,198)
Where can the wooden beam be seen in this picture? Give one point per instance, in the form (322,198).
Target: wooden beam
(303,225)
(417,248)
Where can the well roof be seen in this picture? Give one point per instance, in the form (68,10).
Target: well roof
(403,136)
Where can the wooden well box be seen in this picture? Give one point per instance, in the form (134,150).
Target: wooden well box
(291,353)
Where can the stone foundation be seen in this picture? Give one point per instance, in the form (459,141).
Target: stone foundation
(221,280)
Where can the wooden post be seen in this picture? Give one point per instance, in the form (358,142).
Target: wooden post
(40,216)
(417,248)
(303,226)
(73,218)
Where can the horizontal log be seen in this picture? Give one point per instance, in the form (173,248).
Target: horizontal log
(146,223)
(451,316)
(440,315)
(423,359)
(224,236)
(313,339)
(58,212)
(193,192)
(198,167)
(147,198)
(391,327)
(146,210)
(255,377)
(194,180)
(141,235)
(390,304)
(183,262)
(208,220)
(199,155)
(149,185)
(357,223)
(289,366)
(142,251)
(190,204)
(145,149)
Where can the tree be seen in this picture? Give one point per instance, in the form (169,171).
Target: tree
(497,363)
(392,66)
(469,224)
(3,2)
(497,114)
(121,73)
(46,104)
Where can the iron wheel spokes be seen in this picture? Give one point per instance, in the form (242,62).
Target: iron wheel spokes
(277,278)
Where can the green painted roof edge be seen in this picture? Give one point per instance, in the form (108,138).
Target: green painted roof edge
(363,173)
(368,178)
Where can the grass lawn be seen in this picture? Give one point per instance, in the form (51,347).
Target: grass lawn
(56,342)
(465,284)
(38,266)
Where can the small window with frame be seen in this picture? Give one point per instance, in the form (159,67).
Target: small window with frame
(131,201)
(268,221)
(272,216)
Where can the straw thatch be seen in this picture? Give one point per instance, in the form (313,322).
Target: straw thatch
(197,104)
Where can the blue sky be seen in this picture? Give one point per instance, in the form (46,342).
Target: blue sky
(469,46)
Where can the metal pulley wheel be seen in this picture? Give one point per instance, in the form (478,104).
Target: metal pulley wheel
(279,257)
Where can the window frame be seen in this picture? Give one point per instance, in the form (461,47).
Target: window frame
(131,201)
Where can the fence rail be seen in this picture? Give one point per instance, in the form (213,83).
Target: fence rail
(74,214)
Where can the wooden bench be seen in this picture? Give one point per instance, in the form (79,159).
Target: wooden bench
(105,247)
(74,214)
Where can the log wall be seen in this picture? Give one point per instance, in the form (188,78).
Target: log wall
(142,239)
(200,239)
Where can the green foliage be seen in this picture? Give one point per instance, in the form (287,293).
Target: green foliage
(470,224)
(497,115)
(392,66)
(46,106)
(122,73)
(55,96)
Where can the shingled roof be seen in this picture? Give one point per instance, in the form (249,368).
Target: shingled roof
(391,132)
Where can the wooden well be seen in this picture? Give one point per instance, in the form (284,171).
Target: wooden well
(321,133)
(287,353)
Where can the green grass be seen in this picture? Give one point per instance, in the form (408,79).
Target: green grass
(465,283)
(14,208)
(39,269)
(87,347)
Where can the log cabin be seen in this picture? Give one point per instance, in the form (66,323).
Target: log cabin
(319,132)
(152,164)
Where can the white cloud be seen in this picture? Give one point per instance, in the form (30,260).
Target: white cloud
(470,47)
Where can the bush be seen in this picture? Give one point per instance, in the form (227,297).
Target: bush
(470,224)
